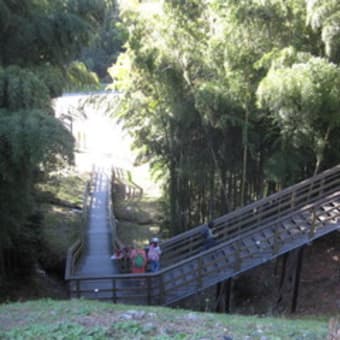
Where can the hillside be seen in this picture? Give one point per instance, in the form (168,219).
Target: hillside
(79,319)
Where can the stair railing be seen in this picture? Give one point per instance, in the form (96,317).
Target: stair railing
(190,275)
(254,215)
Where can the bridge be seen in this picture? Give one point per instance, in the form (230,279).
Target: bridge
(246,238)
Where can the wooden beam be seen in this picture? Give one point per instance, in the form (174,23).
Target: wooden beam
(228,294)
(224,296)
(297,279)
(220,300)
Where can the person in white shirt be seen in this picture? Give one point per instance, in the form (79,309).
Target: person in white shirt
(154,254)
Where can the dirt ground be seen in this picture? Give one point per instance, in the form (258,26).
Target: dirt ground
(320,280)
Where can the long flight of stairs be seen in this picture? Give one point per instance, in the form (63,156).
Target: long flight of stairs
(253,235)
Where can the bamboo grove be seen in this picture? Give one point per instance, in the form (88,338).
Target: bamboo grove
(230,100)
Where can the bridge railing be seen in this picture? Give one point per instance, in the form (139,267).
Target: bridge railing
(116,242)
(75,251)
(254,215)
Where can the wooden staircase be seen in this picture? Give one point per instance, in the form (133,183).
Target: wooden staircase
(251,249)
(246,238)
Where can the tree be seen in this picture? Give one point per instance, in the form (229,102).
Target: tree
(324,16)
(304,99)
(39,39)
(190,89)
(106,44)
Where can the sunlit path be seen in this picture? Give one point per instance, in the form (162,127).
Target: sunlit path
(100,138)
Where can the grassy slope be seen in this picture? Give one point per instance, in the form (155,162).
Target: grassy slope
(79,319)
(138,220)
(61,224)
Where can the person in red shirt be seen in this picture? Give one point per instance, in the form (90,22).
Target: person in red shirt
(138,260)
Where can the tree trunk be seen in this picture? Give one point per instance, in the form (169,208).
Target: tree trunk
(245,158)
(320,151)
(173,198)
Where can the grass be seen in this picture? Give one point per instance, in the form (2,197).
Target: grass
(61,225)
(138,220)
(82,319)
(61,228)
(68,186)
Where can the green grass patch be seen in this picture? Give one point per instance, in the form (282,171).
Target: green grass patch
(68,187)
(61,227)
(139,220)
(62,223)
(75,319)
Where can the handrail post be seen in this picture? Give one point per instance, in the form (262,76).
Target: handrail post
(200,273)
(78,288)
(161,290)
(276,244)
(292,200)
(322,184)
(313,225)
(148,287)
(114,291)
(238,259)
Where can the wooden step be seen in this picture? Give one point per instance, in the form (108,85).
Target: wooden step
(291,228)
(301,223)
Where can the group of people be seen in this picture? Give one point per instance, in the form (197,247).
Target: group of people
(136,261)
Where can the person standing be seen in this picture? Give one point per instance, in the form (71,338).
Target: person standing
(208,235)
(154,254)
(138,260)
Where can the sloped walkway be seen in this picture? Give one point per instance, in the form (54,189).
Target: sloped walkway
(98,240)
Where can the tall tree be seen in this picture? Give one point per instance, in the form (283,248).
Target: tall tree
(304,99)
(193,68)
(38,39)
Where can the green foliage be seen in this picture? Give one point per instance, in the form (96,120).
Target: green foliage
(59,195)
(325,15)
(80,77)
(38,39)
(106,43)
(22,89)
(33,138)
(304,99)
(192,78)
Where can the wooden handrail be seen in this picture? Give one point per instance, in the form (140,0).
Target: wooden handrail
(122,177)
(254,215)
(207,268)
(116,242)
